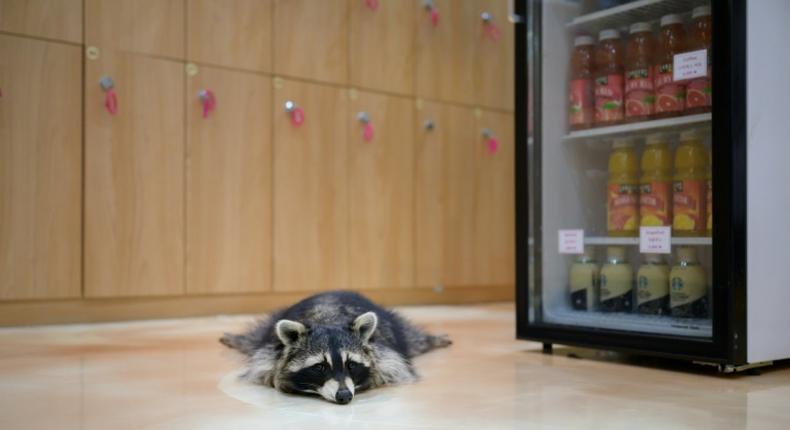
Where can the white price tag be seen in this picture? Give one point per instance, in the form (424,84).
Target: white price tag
(571,241)
(655,240)
(689,65)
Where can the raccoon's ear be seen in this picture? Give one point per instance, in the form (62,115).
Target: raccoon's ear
(289,331)
(365,325)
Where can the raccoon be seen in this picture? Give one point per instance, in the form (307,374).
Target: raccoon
(332,345)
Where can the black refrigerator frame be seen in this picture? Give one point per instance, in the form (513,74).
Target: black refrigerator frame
(727,346)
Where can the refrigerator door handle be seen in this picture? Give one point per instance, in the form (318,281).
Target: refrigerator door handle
(511,15)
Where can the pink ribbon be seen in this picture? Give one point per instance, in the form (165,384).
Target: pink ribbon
(492,31)
(111,101)
(297,116)
(372,4)
(367,132)
(492,145)
(208,101)
(434,16)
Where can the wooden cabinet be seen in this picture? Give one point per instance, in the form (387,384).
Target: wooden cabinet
(51,19)
(229,173)
(381,44)
(134,178)
(40,168)
(311,39)
(445,195)
(381,179)
(310,189)
(494,59)
(144,26)
(230,33)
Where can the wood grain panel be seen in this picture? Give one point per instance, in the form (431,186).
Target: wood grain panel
(381,179)
(235,33)
(229,215)
(310,189)
(40,169)
(494,65)
(144,26)
(53,19)
(134,178)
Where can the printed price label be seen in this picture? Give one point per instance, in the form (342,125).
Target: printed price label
(689,65)
(571,241)
(655,240)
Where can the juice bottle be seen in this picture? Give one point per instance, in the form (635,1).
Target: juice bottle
(640,97)
(700,36)
(608,78)
(652,286)
(688,296)
(670,95)
(584,276)
(709,198)
(655,186)
(580,93)
(617,279)
(622,208)
(688,198)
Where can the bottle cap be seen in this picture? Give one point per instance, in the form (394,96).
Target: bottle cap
(583,40)
(700,11)
(589,253)
(615,253)
(609,33)
(655,139)
(639,27)
(671,19)
(687,254)
(623,143)
(654,258)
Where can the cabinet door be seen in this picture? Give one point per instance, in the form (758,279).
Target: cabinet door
(143,26)
(229,184)
(311,39)
(40,169)
(382,46)
(381,179)
(495,203)
(494,59)
(52,19)
(446,52)
(445,195)
(310,189)
(134,178)
(230,33)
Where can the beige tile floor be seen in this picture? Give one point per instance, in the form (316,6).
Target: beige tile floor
(174,375)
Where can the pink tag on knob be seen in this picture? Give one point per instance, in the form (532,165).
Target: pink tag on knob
(367,132)
(434,16)
(492,145)
(297,116)
(372,4)
(111,101)
(492,31)
(208,101)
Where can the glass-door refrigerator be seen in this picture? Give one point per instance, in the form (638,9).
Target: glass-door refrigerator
(652,177)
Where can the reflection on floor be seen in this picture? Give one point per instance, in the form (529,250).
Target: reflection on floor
(174,375)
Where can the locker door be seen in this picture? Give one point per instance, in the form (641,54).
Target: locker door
(40,168)
(52,19)
(311,39)
(382,46)
(445,195)
(230,33)
(310,189)
(494,59)
(144,26)
(134,178)
(229,173)
(381,175)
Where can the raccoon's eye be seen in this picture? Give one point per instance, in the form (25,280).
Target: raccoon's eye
(352,365)
(320,367)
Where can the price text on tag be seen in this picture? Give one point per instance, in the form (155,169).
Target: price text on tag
(571,241)
(655,240)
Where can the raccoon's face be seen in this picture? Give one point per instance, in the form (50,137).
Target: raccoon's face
(333,362)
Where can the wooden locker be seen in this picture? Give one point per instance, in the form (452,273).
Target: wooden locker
(229,172)
(382,46)
(40,169)
(381,202)
(134,178)
(311,39)
(495,202)
(51,19)
(310,189)
(494,65)
(153,27)
(230,33)
(446,63)
(445,195)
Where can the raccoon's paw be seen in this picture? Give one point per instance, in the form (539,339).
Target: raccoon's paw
(233,341)
(440,341)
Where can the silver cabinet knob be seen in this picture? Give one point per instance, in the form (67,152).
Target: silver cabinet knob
(363,117)
(429,124)
(486,17)
(289,106)
(487,133)
(427,4)
(106,83)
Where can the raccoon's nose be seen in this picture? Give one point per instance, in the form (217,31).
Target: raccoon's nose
(343,396)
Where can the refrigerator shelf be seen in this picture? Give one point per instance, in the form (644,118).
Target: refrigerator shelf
(631,322)
(622,130)
(626,241)
(620,17)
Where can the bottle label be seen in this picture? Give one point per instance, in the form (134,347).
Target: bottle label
(622,207)
(709,206)
(684,291)
(609,98)
(654,204)
(699,92)
(580,102)
(613,288)
(688,206)
(670,95)
(640,97)
(648,289)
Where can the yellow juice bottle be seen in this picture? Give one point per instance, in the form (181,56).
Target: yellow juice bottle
(652,286)
(688,296)
(655,193)
(688,188)
(709,199)
(622,206)
(583,281)
(617,280)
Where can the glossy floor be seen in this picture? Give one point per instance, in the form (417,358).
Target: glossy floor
(174,375)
